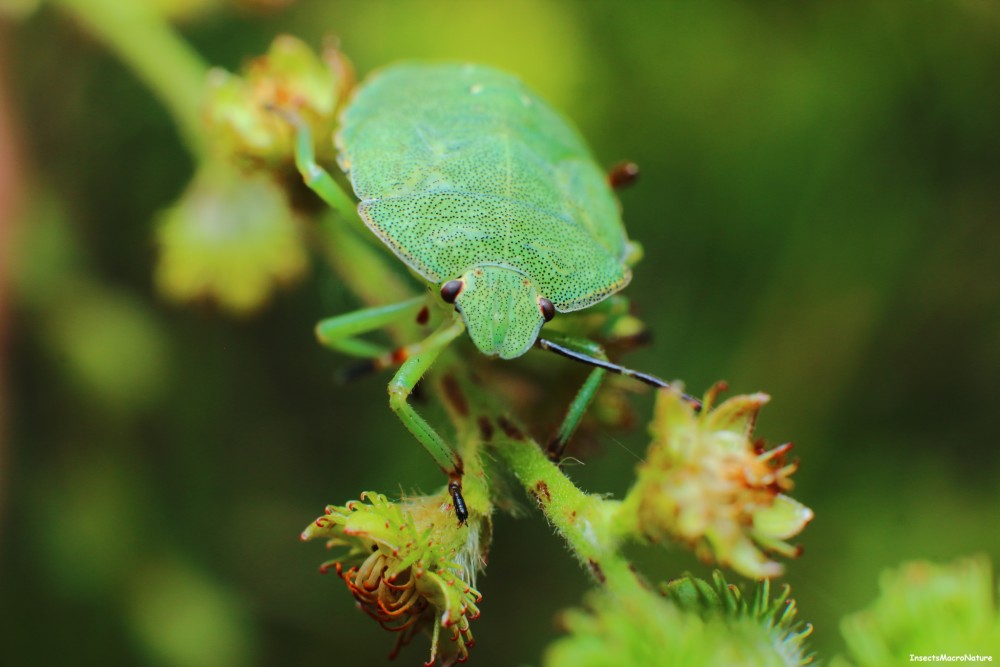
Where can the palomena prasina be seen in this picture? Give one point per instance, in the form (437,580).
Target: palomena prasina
(467,175)
(490,195)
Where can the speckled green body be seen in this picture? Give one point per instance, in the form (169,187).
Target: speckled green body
(466,174)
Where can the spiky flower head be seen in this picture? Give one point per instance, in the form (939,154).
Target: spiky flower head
(775,614)
(708,483)
(641,627)
(410,566)
(240,110)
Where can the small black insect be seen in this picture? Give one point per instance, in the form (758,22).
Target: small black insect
(461,511)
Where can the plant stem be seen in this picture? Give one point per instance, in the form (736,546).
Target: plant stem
(585,521)
(142,38)
(364,269)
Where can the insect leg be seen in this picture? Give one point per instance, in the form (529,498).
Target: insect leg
(339,333)
(421,356)
(591,353)
(315,176)
(582,400)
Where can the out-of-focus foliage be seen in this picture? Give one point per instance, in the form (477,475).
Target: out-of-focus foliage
(717,630)
(817,206)
(928,610)
(110,345)
(231,238)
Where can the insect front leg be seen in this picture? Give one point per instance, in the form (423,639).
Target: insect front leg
(315,176)
(584,397)
(588,352)
(420,357)
(339,333)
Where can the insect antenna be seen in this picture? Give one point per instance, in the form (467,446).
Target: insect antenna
(651,380)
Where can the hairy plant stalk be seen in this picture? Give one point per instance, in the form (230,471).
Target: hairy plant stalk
(585,521)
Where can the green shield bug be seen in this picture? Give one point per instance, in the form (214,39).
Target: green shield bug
(485,191)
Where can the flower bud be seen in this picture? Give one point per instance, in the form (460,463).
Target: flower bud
(707,483)
(241,111)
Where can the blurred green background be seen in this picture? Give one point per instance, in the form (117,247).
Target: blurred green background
(819,205)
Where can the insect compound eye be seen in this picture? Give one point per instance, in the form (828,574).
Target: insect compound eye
(548,310)
(451,289)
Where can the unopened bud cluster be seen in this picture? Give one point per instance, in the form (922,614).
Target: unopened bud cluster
(244,112)
(708,483)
